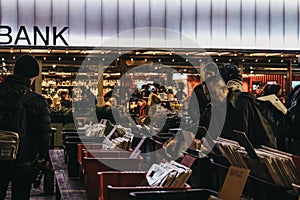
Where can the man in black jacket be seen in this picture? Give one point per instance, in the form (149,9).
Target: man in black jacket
(199,98)
(35,143)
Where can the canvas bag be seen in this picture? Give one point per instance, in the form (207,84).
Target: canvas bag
(13,120)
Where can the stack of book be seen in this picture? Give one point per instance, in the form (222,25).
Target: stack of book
(232,151)
(168,174)
(266,163)
(280,166)
(123,142)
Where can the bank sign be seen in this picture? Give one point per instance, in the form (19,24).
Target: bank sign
(33,36)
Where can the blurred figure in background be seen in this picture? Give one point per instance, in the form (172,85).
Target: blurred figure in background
(181,95)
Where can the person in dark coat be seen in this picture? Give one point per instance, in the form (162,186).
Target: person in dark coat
(235,110)
(274,116)
(199,98)
(35,144)
(293,121)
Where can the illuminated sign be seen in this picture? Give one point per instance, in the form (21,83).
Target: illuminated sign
(23,35)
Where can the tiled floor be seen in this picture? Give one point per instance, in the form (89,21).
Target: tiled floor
(36,194)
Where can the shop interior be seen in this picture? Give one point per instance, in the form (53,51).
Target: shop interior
(70,71)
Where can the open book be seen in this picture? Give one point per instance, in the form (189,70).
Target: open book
(275,101)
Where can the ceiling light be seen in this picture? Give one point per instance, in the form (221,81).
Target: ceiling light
(59,58)
(269,60)
(45,58)
(11,50)
(230,60)
(282,60)
(243,60)
(74,59)
(173,60)
(159,60)
(67,51)
(217,60)
(256,60)
(49,50)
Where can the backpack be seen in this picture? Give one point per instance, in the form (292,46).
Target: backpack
(13,120)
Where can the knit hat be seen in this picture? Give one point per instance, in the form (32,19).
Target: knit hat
(27,66)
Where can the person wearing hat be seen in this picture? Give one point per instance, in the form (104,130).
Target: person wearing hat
(231,109)
(34,145)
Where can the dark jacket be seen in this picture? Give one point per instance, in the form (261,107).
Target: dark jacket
(276,119)
(197,104)
(37,139)
(241,113)
(293,114)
